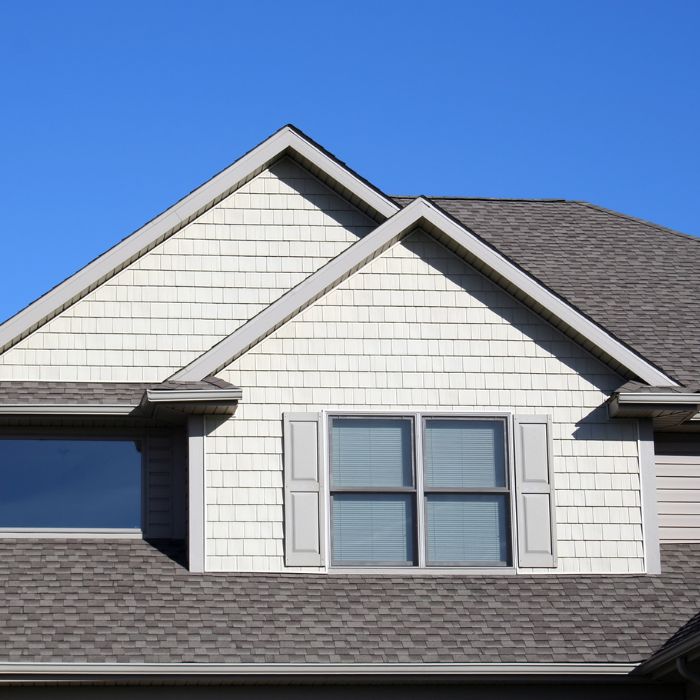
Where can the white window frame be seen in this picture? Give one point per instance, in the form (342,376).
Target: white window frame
(417,418)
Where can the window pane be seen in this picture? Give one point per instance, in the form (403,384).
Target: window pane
(464,453)
(371,452)
(70,483)
(376,528)
(467,529)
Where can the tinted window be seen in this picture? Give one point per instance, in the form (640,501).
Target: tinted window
(70,483)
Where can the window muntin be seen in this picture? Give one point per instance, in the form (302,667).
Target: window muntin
(459,478)
(373,492)
(70,483)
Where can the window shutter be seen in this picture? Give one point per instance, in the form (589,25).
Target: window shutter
(303,496)
(534,492)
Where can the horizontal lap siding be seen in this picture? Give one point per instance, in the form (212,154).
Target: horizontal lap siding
(678,487)
(164,482)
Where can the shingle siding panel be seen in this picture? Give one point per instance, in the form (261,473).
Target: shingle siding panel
(197,287)
(442,338)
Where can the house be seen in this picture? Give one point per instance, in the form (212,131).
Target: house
(298,436)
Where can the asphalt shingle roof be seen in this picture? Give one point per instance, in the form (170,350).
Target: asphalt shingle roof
(94,393)
(126,601)
(636,279)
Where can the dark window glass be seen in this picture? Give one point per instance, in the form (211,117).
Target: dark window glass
(70,483)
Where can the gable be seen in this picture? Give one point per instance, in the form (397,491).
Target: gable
(198,286)
(419,329)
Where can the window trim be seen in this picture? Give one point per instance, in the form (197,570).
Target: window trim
(422,568)
(107,433)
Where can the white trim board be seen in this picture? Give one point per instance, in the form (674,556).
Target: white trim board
(300,669)
(287,139)
(419,213)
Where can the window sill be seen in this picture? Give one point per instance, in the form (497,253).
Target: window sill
(424,571)
(68,533)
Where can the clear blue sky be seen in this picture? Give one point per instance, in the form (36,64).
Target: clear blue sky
(111,111)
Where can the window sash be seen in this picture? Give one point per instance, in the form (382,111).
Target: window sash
(340,490)
(422,490)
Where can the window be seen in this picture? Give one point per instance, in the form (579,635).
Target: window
(70,483)
(392,504)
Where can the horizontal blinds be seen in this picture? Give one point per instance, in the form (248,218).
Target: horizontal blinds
(467,529)
(464,453)
(371,452)
(372,528)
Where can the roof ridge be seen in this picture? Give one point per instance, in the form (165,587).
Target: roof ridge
(637,220)
(486,199)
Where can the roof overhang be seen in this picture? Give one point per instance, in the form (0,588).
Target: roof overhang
(288,141)
(667,409)
(423,214)
(146,403)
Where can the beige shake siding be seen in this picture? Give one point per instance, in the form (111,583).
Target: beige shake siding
(418,329)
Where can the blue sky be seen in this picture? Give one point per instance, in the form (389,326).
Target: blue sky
(113,110)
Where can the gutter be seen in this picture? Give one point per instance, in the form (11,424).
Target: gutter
(658,398)
(193,395)
(52,409)
(69,671)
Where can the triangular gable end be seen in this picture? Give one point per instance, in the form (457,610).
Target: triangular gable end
(288,141)
(426,215)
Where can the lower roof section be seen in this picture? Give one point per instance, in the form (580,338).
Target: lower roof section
(133,602)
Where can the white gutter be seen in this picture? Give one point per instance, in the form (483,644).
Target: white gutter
(46,409)
(190,395)
(658,398)
(389,669)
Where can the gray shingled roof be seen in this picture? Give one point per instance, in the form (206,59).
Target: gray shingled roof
(636,279)
(94,393)
(125,601)
(80,393)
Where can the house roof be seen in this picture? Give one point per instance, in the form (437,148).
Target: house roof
(125,601)
(637,280)
(23,397)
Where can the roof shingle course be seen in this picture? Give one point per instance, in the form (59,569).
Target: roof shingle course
(126,601)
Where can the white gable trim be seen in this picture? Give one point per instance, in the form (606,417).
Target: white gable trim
(420,213)
(183,212)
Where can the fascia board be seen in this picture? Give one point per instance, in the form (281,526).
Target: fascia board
(54,670)
(418,211)
(180,214)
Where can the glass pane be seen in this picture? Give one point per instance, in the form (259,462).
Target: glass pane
(467,529)
(372,528)
(464,453)
(371,452)
(70,483)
